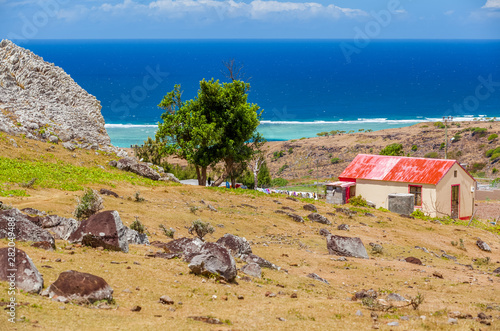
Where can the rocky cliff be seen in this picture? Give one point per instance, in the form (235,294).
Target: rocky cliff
(39,100)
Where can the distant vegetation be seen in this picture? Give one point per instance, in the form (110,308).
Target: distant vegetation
(393,150)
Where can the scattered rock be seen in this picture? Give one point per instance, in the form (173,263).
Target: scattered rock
(237,246)
(293,296)
(139,168)
(359,313)
(292,198)
(80,287)
(184,246)
(206,319)
(252,269)
(316,277)
(104,229)
(370,215)
(110,193)
(376,248)
(27,277)
(437,274)
(365,294)
(395,297)
(213,259)
(393,323)
(413,260)
(166,300)
(212,208)
(61,227)
(134,237)
(324,232)
(296,217)
(43,245)
(343,227)
(277,201)
(496,271)
(483,246)
(315,217)
(24,229)
(452,321)
(247,205)
(449,257)
(346,246)
(251,258)
(136,308)
(310,207)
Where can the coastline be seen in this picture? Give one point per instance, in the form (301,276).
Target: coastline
(125,135)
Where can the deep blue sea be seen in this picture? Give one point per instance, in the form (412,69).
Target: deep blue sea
(304,86)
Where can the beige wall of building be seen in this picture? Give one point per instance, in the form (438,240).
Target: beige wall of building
(436,199)
(466,192)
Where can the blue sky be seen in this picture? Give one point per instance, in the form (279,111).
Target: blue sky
(137,19)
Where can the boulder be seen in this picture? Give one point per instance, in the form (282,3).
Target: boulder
(61,227)
(139,168)
(296,217)
(108,192)
(316,277)
(24,229)
(343,227)
(483,246)
(136,238)
(310,207)
(104,229)
(395,297)
(237,246)
(252,269)
(27,276)
(365,294)
(79,287)
(213,259)
(315,217)
(185,246)
(324,232)
(346,246)
(252,258)
(413,260)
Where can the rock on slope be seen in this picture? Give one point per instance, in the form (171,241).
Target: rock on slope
(41,101)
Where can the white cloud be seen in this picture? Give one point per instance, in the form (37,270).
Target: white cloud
(492,4)
(215,9)
(449,12)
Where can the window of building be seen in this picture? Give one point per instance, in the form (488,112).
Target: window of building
(417,192)
(455,174)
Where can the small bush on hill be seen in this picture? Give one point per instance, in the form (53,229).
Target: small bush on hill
(335,160)
(358,201)
(439,125)
(493,153)
(89,204)
(392,149)
(201,229)
(414,148)
(137,225)
(492,136)
(279,182)
(431,155)
(283,167)
(168,232)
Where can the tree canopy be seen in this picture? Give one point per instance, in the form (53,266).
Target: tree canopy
(217,125)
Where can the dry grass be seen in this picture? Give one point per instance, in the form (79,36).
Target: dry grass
(293,246)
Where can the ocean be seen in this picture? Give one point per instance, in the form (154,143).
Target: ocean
(303,86)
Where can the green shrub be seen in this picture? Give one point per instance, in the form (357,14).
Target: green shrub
(439,125)
(279,182)
(323,134)
(414,148)
(89,204)
(290,150)
(492,136)
(277,155)
(479,132)
(432,155)
(283,167)
(137,197)
(358,201)
(137,225)
(493,153)
(201,229)
(168,232)
(441,147)
(335,160)
(477,166)
(392,149)
(457,137)
(494,170)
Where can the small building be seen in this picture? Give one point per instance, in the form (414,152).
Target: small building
(439,187)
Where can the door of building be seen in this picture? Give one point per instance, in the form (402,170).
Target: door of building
(455,201)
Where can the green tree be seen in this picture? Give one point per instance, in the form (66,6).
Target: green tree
(217,125)
(392,149)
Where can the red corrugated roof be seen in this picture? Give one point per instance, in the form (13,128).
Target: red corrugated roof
(397,169)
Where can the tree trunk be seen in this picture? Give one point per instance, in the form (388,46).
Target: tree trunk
(198,174)
(255,178)
(203,176)
(219,180)
(233,181)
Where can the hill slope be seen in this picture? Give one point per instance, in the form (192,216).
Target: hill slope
(446,285)
(302,157)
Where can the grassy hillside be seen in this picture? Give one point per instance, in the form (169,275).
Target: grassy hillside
(296,247)
(328,156)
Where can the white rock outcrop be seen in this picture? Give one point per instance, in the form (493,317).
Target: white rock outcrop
(41,101)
